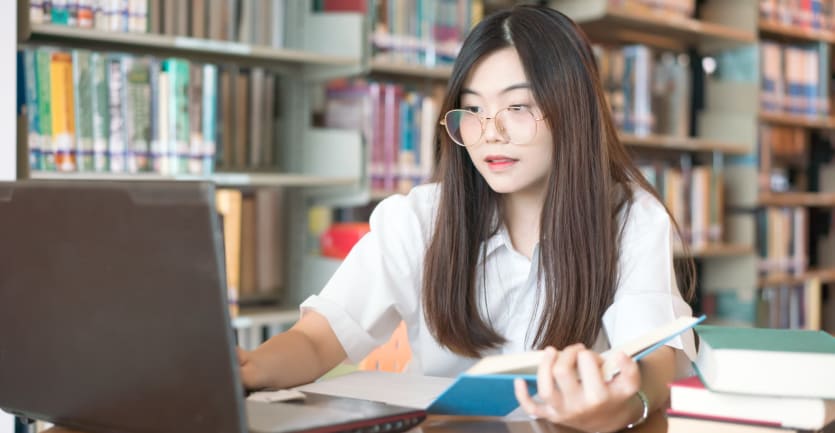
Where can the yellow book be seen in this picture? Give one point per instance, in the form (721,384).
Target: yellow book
(63,113)
(229,204)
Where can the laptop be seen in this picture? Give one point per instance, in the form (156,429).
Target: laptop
(114,317)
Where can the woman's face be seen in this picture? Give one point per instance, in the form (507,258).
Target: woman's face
(508,164)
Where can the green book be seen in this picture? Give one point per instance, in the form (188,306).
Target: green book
(100,112)
(758,361)
(43,57)
(83,100)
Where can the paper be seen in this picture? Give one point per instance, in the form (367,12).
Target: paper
(276,396)
(400,389)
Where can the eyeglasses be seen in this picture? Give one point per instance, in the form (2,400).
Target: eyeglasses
(516,124)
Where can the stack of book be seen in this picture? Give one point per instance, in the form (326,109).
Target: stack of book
(757,381)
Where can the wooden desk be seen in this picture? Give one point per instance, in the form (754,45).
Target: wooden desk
(656,423)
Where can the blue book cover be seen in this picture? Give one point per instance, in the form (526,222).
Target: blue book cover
(493,394)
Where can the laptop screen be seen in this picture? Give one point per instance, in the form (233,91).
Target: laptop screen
(113,311)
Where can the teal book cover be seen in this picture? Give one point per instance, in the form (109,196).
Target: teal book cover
(781,340)
(480,395)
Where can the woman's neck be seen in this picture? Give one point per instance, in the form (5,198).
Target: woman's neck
(522,213)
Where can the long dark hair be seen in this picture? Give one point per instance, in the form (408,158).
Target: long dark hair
(590,183)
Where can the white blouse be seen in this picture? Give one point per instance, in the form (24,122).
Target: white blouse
(379,284)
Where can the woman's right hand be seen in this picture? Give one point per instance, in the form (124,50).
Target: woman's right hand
(249,370)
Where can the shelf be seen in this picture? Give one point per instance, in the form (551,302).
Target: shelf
(191,48)
(682,144)
(265,316)
(824,275)
(797,199)
(798,120)
(222,179)
(782,31)
(636,23)
(717,250)
(403,69)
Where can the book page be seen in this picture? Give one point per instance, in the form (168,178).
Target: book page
(400,389)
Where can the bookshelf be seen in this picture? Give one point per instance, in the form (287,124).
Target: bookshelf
(311,162)
(716,250)
(799,121)
(632,22)
(727,126)
(682,144)
(798,199)
(823,275)
(782,31)
(214,51)
(226,179)
(397,69)
(752,100)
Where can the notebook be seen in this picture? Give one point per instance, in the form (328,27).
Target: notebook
(114,317)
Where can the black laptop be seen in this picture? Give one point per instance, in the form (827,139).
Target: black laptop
(114,317)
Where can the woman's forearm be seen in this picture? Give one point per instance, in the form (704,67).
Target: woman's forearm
(300,355)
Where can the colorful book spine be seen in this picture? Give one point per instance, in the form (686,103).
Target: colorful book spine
(210,118)
(117,143)
(100,112)
(160,153)
(195,112)
(60,12)
(86,17)
(32,110)
(63,112)
(178,120)
(83,90)
(43,60)
(137,113)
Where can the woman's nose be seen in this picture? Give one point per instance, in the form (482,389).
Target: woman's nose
(494,132)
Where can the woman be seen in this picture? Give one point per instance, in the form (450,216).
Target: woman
(539,233)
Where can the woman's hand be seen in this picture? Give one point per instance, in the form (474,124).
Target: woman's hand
(250,376)
(573,393)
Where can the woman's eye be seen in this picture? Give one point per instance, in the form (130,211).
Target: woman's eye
(519,107)
(472,109)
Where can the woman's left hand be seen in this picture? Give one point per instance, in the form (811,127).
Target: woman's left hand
(573,393)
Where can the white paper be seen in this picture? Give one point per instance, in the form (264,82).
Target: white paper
(401,389)
(275,396)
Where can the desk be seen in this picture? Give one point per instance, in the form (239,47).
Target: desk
(656,423)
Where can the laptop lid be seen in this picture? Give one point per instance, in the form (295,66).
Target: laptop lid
(114,317)
(113,311)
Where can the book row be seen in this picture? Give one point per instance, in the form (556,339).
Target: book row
(795,78)
(398,123)
(93,112)
(258,22)
(806,14)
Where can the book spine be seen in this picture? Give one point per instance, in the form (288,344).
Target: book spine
(195,111)
(178,117)
(43,60)
(117,142)
(32,109)
(100,112)
(210,118)
(161,154)
(86,14)
(63,117)
(83,86)
(138,107)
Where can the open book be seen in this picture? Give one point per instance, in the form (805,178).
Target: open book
(486,389)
